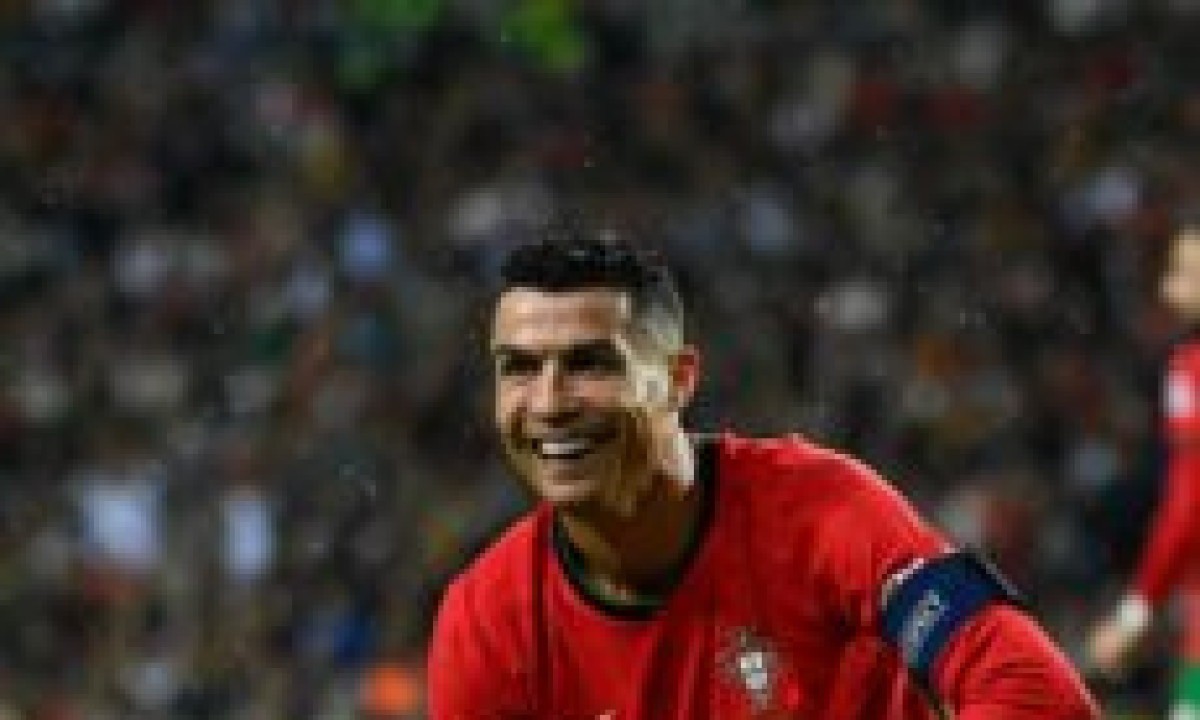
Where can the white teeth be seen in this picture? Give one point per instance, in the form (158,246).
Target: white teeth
(563,448)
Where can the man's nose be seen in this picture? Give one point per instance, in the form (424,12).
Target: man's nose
(550,394)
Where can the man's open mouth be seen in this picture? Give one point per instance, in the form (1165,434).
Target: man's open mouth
(568,448)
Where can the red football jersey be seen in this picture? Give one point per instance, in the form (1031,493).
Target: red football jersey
(1174,544)
(777,616)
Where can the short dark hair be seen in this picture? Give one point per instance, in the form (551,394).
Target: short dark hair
(578,259)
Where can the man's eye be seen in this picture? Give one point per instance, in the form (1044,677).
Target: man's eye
(517,366)
(594,360)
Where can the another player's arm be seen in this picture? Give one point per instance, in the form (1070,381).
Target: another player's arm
(1174,532)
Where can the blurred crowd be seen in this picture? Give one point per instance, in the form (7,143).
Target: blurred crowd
(245,247)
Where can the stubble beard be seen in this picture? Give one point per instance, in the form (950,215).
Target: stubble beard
(624,480)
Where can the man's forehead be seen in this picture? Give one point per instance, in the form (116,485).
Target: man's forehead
(599,312)
(1186,251)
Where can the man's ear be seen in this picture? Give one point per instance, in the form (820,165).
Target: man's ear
(684,377)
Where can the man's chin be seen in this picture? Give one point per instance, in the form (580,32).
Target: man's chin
(565,492)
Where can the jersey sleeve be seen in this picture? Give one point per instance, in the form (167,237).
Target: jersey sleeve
(1175,529)
(467,676)
(998,664)
(867,536)
(1002,666)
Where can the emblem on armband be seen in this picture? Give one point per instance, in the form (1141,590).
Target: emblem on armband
(926,604)
(928,612)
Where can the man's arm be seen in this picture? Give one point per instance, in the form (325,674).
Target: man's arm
(1175,531)
(1173,538)
(958,628)
(1175,526)
(1002,666)
(948,616)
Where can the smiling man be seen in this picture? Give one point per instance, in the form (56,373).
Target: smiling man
(666,576)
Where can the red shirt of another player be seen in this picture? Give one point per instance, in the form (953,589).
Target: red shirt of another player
(1175,535)
(776,616)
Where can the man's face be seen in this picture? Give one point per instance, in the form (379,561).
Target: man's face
(1181,281)
(582,401)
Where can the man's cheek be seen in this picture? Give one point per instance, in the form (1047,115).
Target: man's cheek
(633,475)
(518,456)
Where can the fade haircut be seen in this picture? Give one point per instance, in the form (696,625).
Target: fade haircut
(577,259)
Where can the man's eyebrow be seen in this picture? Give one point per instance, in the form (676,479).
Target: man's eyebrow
(603,344)
(511,350)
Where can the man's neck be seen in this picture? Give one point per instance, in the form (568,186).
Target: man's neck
(638,559)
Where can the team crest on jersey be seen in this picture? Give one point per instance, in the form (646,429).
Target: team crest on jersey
(752,663)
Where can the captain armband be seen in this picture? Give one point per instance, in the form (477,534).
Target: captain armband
(928,602)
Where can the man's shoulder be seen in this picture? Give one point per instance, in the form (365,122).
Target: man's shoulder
(510,560)
(792,463)
(492,601)
(480,650)
(800,483)
(826,524)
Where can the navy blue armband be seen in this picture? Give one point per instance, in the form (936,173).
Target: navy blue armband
(929,604)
